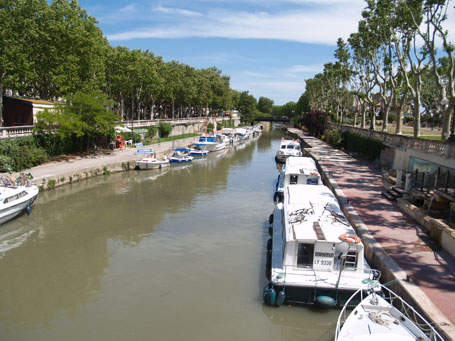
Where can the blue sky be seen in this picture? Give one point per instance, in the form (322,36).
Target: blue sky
(268,47)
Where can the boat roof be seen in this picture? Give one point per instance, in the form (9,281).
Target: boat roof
(289,142)
(300,165)
(307,208)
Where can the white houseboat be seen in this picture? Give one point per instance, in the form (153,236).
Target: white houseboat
(297,171)
(288,148)
(315,255)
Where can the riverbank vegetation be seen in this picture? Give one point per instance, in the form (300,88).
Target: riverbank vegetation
(400,63)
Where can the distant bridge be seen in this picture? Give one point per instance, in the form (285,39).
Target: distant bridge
(283,119)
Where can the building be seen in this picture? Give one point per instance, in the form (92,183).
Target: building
(22,111)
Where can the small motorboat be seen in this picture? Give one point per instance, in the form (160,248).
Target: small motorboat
(181,155)
(383,316)
(198,151)
(287,149)
(152,162)
(16,196)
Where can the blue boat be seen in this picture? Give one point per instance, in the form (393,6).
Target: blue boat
(181,155)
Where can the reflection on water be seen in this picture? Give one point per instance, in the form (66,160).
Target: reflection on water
(170,254)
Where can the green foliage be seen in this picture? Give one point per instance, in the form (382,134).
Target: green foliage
(151,132)
(247,106)
(265,105)
(315,122)
(369,148)
(210,127)
(21,153)
(165,129)
(219,126)
(333,137)
(5,163)
(129,136)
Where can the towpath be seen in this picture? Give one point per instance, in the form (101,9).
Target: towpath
(84,165)
(425,272)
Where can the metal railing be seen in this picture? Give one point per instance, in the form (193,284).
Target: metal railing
(401,141)
(19,131)
(441,180)
(402,306)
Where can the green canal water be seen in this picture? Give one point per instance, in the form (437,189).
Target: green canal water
(175,254)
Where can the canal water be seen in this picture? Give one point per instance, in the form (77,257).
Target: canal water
(172,254)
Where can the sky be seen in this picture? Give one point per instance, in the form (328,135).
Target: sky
(266,47)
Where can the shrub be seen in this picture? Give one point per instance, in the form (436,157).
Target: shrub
(165,129)
(219,126)
(315,122)
(5,163)
(333,137)
(151,132)
(22,153)
(369,148)
(210,127)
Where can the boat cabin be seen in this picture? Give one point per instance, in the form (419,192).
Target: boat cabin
(288,148)
(313,226)
(297,171)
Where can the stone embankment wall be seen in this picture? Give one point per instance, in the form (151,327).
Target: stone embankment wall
(101,165)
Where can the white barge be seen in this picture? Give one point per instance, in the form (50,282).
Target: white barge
(314,256)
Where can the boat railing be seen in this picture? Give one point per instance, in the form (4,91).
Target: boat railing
(396,301)
(369,276)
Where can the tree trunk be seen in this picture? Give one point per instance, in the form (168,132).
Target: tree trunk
(364,118)
(416,111)
(385,119)
(1,105)
(355,119)
(445,123)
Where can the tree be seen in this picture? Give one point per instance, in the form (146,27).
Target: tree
(85,114)
(265,105)
(247,106)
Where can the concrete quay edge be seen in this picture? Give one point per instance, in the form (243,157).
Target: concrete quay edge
(378,258)
(51,175)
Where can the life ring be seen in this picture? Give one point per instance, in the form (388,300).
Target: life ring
(350,238)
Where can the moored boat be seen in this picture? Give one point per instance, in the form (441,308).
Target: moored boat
(297,170)
(287,149)
(315,257)
(151,162)
(211,143)
(180,155)
(382,317)
(16,197)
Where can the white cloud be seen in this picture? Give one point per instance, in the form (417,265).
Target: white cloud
(321,25)
(177,11)
(306,68)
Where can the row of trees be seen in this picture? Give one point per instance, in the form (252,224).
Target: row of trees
(53,51)
(400,60)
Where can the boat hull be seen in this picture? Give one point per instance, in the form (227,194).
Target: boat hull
(151,165)
(299,295)
(11,212)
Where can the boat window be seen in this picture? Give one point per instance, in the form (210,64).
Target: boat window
(305,255)
(351,260)
(283,146)
(293,179)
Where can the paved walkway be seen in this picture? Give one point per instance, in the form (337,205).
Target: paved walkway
(431,272)
(86,163)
